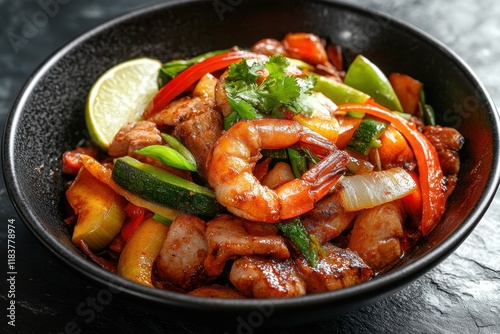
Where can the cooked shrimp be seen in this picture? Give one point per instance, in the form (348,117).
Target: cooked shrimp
(229,237)
(339,268)
(447,142)
(180,261)
(376,234)
(261,277)
(233,157)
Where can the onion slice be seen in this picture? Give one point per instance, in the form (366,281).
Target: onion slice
(365,191)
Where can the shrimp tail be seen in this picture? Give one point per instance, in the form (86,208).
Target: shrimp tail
(317,144)
(298,196)
(326,173)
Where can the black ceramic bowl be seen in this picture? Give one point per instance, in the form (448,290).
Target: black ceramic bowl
(48,118)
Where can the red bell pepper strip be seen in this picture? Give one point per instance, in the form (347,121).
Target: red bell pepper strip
(407,90)
(306,47)
(186,78)
(413,202)
(429,168)
(136,215)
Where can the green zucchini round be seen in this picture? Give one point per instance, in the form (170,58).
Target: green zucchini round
(162,187)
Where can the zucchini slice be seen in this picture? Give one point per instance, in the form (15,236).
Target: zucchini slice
(162,187)
(368,131)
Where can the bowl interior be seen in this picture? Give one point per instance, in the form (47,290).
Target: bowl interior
(48,119)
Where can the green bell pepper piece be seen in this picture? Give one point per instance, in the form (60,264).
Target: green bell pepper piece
(339,92)
(365,76)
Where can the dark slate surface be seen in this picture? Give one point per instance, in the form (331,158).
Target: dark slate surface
(461,295)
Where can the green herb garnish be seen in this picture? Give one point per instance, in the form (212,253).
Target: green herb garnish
(278,92)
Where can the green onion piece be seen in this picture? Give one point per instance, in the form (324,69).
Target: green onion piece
(429,115)
(426,110)
(311,157)
(308,246)
(179,147)
(297,161)
(168,156)
(163,220)
(279,154)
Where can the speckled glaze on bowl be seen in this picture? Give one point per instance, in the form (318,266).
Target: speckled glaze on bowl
(47,119)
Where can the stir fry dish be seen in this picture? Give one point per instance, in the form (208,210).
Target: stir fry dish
(276,171)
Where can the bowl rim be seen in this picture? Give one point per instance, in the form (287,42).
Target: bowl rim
(380,287)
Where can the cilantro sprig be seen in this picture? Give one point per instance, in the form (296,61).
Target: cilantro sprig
(250,98)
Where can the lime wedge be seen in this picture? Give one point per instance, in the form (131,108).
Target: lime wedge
(120,96)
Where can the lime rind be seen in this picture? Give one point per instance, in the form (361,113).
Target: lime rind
(120,96)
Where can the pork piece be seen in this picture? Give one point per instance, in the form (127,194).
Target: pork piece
(180,110)
(338,269)
(447,142)
(376,234)
(180,261)
(221,97)
(134,136)
(449,184)
(269,47)
(199,133)
(328,219)
(260,277)
(216,291)
(230,237)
